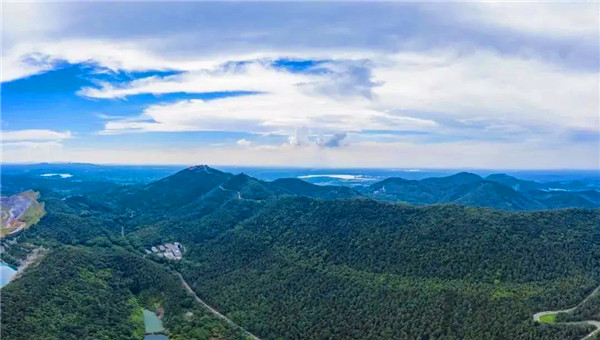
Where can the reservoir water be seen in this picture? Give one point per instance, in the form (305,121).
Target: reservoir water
(153,324)
(155,337)
(6,274)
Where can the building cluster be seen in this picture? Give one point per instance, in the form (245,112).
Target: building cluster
(171,251)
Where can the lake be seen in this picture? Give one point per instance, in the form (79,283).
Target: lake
(155,337)
(6,274)
(152,323)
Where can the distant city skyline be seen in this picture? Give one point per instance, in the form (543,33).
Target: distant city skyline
(402,85)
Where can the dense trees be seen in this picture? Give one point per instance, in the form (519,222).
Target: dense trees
(588,310)
(97,293)
(72,294)
(291,267)
(360,269)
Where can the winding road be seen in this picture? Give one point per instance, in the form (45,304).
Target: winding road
(239,194)
(216,312)
(596,324)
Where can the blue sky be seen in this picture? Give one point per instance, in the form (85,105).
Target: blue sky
(465,85)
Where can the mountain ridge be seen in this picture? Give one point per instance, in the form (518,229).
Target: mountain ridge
(498,191)
(189,186)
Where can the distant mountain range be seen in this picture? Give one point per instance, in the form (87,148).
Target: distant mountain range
(497,191)
(198,185)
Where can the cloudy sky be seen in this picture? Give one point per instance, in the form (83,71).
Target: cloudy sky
(439,85)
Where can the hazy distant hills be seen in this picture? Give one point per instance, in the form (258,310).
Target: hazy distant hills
(496,191)
(200,185)
(302,188)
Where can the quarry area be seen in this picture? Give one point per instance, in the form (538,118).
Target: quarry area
(20,211)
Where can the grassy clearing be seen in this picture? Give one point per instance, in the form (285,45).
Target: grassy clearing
(550,318)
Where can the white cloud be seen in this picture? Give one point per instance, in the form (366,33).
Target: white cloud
(546,18)
(243,142)
(34,135)
(266,113)
(28,20)
(32,56)
(188,39)
(28,58)
(332,141)
(470,86)
(257,76)
(500,95)
(285,101)
(487,86)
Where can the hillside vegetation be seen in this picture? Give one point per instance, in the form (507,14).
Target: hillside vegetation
(359,269)
(97,293)
(290,260)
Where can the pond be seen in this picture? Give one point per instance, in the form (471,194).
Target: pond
(152,323)
(6,274)
(155,337)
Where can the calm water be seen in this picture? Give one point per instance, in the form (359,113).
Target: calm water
(152,323)
(6,274)
(155,337)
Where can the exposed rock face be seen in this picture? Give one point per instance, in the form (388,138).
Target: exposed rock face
(20,211)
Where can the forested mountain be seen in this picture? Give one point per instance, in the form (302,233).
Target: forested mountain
(291,260)
(192,184)
(306,269)
(515,183)
(497,191)
(172,191)
(553,194)
(98,293)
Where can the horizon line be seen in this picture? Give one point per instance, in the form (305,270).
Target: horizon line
(398,168)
